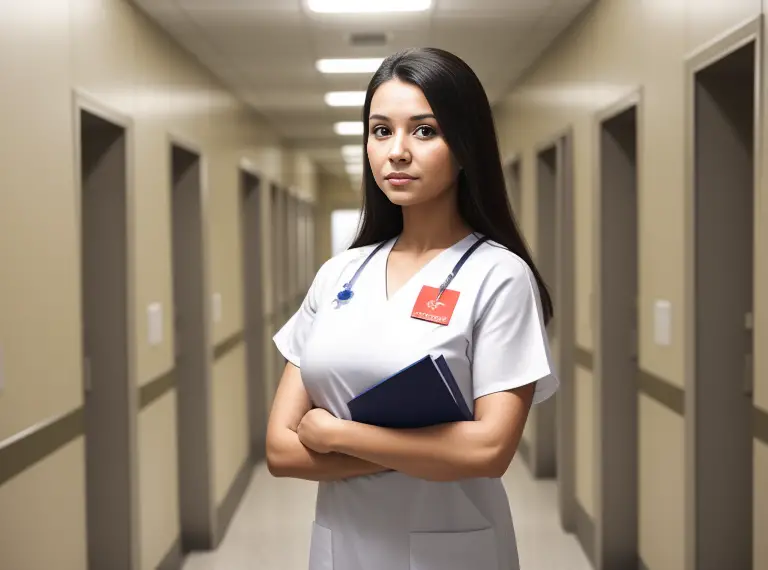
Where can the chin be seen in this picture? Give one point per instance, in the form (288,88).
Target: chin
(405,198)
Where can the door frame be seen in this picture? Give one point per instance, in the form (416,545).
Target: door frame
(634,98)
(84,101)
(564,296)
(701,58)
(512,159)
(254,339)
(186,143)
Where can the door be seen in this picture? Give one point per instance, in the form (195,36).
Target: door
(616,374)
(250,208)
(278,283)
(110,395)
(724,186)
(514,187)
(540,432)
(564,300)
(193,352)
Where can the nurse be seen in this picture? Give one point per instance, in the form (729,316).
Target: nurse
(438,267)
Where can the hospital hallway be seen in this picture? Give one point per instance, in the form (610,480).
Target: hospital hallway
(190,188)
(271,528)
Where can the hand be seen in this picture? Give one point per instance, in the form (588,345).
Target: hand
(317,429)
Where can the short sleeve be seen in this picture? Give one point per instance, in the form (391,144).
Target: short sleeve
(290,339)
(510,344)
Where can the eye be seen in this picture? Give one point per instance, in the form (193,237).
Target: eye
(380,131)
(426,132)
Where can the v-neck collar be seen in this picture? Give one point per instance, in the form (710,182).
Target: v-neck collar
(386,250)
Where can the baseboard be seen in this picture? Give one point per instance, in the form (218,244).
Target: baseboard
(585,532)
(174,559)
(234,496)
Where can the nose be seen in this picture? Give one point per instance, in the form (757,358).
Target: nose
(398,151)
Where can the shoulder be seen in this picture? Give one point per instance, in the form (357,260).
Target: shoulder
(506,282)
(499,265)
(504,278)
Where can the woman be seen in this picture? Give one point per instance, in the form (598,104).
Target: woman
(428,498)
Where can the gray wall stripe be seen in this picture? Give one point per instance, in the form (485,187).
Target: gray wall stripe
(27,448)
(669,395)
(174,559)
(156,388)
(585,532)
(760,424)
(228,344)
(234,497)
(584,357)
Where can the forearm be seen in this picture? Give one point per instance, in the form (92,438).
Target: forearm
(288,457)
(447,452)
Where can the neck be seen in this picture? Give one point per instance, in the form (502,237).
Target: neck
(433,225)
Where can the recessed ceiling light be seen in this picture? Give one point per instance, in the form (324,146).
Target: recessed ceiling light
(354,168)
(348,128)
(345,98)
(353,65)
(367,6)
(352,152)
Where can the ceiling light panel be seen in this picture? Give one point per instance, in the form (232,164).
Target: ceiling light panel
(354,168)
(352,151)
(348,128)
(345,98)
(367,6)
(354,65)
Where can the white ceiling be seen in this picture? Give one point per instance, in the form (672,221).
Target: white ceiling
(265,51)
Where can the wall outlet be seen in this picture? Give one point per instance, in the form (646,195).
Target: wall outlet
(217,309)
(662,323)
(155,324)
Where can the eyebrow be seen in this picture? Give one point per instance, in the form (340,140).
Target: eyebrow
(414,118)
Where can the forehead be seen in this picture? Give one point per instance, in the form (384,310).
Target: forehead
(397,99)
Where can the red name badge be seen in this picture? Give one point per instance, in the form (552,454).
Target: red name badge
(428,308)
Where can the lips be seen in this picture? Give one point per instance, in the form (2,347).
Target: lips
(399,176)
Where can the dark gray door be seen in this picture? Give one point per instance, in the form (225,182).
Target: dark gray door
(193,353)
(250,209)
(110,399)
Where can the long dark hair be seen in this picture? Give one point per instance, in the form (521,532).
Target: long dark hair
(463,112)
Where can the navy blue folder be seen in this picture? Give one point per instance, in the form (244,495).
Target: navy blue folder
(422,394)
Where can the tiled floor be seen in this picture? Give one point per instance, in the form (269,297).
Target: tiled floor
(271,529)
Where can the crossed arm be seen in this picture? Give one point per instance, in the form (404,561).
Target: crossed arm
(312,444)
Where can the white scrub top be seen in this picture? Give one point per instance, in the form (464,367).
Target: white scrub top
(495,341)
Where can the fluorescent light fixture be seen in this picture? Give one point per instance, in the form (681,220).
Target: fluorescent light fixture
(348,128)
(367,6)
(354,169)
(352,152)
(345,98)
(355,65)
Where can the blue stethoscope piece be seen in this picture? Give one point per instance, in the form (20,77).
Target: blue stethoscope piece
(345,295)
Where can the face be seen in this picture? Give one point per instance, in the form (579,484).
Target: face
(409,157)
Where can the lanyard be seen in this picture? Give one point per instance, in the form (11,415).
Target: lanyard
(346,293)
(456,268)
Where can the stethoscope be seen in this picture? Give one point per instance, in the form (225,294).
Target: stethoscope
(345,295)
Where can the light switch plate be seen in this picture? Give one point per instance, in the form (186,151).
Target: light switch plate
(662,323)
(217,309)
(155,324)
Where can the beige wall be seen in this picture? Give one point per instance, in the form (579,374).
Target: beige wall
(113,54)
(616,48)
(335,193)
